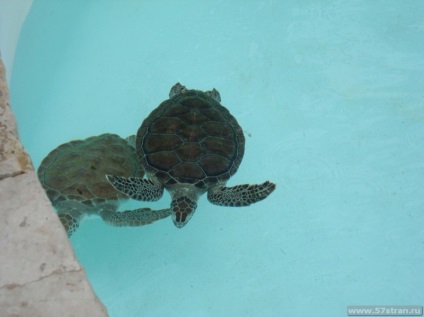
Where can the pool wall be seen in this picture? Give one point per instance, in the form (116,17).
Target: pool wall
(39,274)
(329,95)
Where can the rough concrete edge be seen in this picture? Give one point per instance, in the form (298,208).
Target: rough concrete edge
(15,163)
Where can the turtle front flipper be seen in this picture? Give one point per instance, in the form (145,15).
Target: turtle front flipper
(70,214)
(136,187)
(240,195)
(133,218)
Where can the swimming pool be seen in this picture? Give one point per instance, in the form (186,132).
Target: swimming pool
(329,95)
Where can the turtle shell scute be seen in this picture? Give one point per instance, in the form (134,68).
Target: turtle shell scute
(190,138)
(77,170)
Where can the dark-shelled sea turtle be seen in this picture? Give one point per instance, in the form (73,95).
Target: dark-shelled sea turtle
(190,144)
(74,178)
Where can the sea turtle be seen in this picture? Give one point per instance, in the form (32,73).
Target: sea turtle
(74,178)
(190,144)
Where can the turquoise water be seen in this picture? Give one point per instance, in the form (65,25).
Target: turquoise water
(330,96)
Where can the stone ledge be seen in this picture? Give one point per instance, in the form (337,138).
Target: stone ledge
(30,233)
(67,294)
(39,273)
(13,158)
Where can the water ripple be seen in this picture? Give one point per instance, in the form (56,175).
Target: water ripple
(302,164)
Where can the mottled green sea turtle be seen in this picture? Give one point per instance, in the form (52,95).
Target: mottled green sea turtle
(190,144)
(74,178)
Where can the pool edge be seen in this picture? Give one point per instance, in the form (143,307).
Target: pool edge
(39,273)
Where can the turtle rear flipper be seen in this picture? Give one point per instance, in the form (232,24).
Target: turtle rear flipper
(133,218)
(240,195)
(131,140)
(70,213)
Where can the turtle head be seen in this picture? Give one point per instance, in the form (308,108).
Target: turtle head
(182,210)
(184,203)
